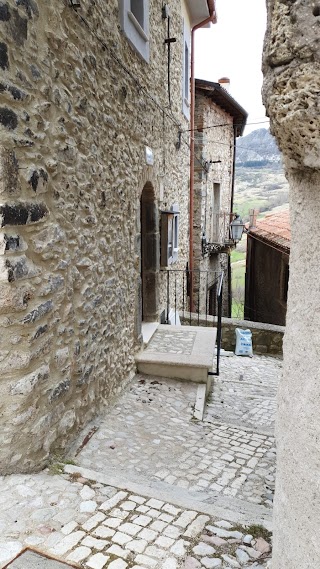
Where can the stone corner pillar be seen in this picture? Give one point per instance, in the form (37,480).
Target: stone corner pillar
(291,66)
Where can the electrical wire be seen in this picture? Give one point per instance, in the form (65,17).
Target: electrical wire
(199,129)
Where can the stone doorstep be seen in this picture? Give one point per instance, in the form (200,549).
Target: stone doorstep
(190,367)
(32,559)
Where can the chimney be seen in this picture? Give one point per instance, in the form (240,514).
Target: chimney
(253,217)
(225,83)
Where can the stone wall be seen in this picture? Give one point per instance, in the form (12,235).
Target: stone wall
(75,116)
(266,338)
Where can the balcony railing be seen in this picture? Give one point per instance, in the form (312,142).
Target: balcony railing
(219,237)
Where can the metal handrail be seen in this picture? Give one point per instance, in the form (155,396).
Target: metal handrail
(208,287)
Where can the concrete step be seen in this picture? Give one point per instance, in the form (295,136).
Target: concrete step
(179,352)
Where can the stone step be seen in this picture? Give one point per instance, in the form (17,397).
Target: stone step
(179,352)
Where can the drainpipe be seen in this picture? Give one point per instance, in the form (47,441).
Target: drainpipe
(212,18)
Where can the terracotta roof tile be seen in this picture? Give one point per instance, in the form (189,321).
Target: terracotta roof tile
(274,228)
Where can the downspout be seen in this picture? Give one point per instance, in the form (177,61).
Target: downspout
(233,167)
(211,18)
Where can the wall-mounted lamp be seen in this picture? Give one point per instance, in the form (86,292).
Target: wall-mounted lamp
(236,228)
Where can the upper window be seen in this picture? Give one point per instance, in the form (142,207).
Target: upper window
(137,9)
(134,17)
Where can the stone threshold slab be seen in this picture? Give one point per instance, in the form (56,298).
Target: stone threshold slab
(226,508)
(192,364)
(30,559)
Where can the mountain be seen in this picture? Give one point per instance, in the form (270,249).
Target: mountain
(260,181)
(257,147)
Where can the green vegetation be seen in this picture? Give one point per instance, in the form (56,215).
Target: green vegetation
(237,255)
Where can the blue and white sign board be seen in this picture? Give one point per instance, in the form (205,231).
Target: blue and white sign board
(243,343)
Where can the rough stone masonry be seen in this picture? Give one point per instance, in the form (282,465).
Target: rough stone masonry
(73,128)
(291,94)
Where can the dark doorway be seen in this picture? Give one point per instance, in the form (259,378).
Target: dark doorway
(150,252)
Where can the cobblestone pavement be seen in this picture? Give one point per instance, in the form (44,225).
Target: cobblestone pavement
(245,395)
(151,434)
(160,483)
(177,343)
(97,526)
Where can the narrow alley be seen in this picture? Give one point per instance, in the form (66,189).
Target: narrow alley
(154,488)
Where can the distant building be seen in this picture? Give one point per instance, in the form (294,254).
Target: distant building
(219,120)
(267,269)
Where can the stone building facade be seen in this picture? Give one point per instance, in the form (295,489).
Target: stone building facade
(91,115)
(219,120)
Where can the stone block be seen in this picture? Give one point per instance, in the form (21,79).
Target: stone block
(19,268)
(28,383)
(8,172)
(22,213)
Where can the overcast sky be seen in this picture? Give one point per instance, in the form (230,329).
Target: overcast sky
(233,48)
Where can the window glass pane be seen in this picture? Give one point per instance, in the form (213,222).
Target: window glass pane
(170,238)
(137,10)
(186,71)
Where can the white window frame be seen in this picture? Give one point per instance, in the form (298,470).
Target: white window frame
(169,236)
(186,66)
(137,35)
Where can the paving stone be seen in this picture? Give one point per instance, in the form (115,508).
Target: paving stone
(185,519)
(230,560)
(79,554)
(142,520)
(88,506)
(180,548)
(128,505)
(165,542)
(171,531)
(94,543)
(118,564)
(136,545)
(87,493)
(129,528)
(211,562)
(148,534)
(170,563)
(156,552)
(119,551)
(146,561)
(67,543)
(196,526)
(121,538)
(93,521)
(225,533)
(242,556)
(112,522)
(112,502)
(191,563)
(155,504)
(103,531)
(262,546)
(97,561)
(69,528)
(203,549)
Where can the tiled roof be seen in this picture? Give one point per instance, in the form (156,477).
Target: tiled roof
(275,229)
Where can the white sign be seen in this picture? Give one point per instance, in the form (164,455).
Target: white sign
(149,156)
